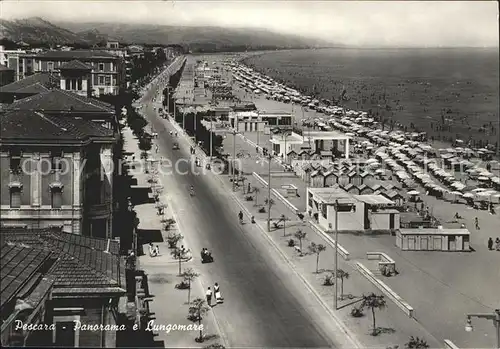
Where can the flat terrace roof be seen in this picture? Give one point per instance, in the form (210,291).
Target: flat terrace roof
(425,231)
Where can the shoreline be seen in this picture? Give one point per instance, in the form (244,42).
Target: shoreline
(456,123)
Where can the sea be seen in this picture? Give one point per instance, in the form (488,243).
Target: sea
(450,93)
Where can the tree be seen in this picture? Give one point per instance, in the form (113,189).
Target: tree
(178,254)
(197,311)
(316,249)
(189,276)
(300,235)
(373,302)
(416,343)
(173,239)
(341,274)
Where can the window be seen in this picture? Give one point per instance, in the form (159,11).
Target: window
(101,80)
(15,161)
(15,197)
(346,208)
(50,66)
(324,210)
(80,88)
(101,66)
(56,197)
(108,80)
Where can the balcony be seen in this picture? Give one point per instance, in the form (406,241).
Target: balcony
(95,210)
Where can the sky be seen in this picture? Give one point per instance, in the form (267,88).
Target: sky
(363,23)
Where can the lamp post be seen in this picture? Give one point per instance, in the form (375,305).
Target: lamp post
(269,158)
(211,135)
(495,317)
(284,136)
(184,112)
(336,260)
(234,160)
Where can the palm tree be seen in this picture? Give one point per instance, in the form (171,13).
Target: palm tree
(197,311)
(316,249)
(178,254)
(300,235)
(416,343)
(189,276)
(341,274)
(373,302)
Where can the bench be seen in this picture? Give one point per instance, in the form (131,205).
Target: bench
(290,189)
(384,261)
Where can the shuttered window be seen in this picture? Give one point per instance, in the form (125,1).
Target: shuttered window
(15,197)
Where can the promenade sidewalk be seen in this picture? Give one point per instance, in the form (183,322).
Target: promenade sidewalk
(169,304)
(391,319)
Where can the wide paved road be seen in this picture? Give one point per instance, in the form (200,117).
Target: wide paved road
(265,304)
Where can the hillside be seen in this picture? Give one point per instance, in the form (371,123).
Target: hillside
(195,36)
(36,30)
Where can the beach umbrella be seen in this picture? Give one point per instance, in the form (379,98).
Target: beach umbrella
(468,195)
(456,193)
(478,190)
(413,192)
(483,179)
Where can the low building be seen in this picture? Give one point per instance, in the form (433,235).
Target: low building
(317,141)
(429,239)
(282,120)
(32,85)
(12,60)
(354,212)
(108,71)
(88,282)
(55,171)
(7,75)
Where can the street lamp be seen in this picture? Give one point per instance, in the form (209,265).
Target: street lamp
(495,317)
(269,159)
(284,136)
(336,259)
(234,160)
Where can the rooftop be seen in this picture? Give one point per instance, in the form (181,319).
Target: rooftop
(19,264)
(57,100)
(46,79)
(84,262)
(36,127)
(75,65)
(329,195)
(430,231)
(77,54)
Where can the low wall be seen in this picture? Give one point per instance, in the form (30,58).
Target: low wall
(280,197)
(449,344)
(405,307)
(342,251)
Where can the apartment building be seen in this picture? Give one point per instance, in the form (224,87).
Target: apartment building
(55,153)
(107,72)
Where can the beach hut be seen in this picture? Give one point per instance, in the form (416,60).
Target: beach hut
(317,179)
(394,196)
(304,154)
(354,178)
(330,178)
(292,155)
(342,178)
(451,240)
(364,189)
(351,189)
(376,187)
(326,155)
(367,178)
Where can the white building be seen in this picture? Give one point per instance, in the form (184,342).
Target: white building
(315,140)
(355,212)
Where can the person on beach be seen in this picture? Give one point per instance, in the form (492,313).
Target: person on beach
(490,244)
(152,252)
(209,297)
(497,242)
(157,250)
(218,297)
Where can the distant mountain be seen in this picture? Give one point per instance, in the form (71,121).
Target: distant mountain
(36,30)
(196,36)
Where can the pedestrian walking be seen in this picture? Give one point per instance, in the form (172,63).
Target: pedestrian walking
(497,242)
(209,297)
(218,297)
(490,244)
(476,222)
(157,250)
